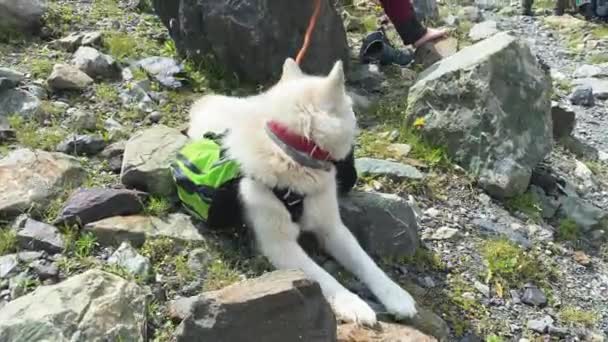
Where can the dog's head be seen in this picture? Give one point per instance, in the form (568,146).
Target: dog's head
(317,107)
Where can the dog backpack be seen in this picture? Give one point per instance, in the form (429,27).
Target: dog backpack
(199,171)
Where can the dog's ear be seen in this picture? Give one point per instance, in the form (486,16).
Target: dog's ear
(336,77)
(291,70)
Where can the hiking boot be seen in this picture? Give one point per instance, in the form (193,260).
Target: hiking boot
(377,49)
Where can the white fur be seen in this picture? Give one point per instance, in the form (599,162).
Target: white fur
(318,108)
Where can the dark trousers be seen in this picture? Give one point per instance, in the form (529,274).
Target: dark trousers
(402,15)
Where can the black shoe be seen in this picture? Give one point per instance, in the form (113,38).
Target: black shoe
(377,49)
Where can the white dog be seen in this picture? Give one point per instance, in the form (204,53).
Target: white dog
(260,133)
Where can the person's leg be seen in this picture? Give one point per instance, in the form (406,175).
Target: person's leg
(401,14)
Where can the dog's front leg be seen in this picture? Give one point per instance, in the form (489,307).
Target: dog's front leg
(277,238)
(322,216)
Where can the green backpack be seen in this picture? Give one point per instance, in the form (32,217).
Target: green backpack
(199,169)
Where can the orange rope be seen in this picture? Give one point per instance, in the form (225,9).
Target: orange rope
(309,30)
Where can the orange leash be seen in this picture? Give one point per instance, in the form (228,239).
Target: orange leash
(309,30)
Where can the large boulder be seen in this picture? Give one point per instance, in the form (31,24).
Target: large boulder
(384,224)
(278,306)
(22,16)
(94,306)
(147,158)
(33,178)
(252,38)
(386,332)
(490,106)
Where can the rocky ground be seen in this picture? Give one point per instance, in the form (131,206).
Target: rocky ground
(91,109)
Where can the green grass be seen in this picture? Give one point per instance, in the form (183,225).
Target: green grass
(8,241)
(494,338)
(103,9)
(30,134)
(508,264)
(220,274)
(563,85)
(158,206)
(575,316)
(423,260)
(123,45)
(526,203)
(41,67)
(107,93)
(600,32)
(568,230)
(84,245)
(157,249)
(598,58)
(60,18)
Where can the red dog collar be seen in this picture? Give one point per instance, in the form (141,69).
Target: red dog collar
(298,142)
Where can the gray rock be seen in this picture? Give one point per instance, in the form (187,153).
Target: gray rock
(136,229)
(10,78)
(138,95)
(582,96)
(384,224)
(167,71)
(45,269)
(83,144)
(533,296)
(586,215)
(564,120)
(104,307)
(78,39)
(127,257)
(495,228)
(17,286)
(586,71)
(19,102)
(599,86)
(482,288)
(515,296)
(379,167)
(33,178)
(83,120)
(66,77)
(486,109)
(557,331)
(548,205)
(426,9)
(585,177)
(29,256)
(540,325)
(94,204)
(579,148)
(278,306)
(483,30)
(35,235)
(24,16)
(147,158)
(200,27)
(7,134)
(113,155)
(8,265)
(95,63)
(491,4)
(155,117)
(199,261)
(444,233)
(470,13)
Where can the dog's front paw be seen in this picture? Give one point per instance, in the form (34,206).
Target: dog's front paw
(349,307)
(399,302)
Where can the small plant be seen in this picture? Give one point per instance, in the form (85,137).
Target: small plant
(84,246)
(598,58)
(568,230)
(564,85)
(494,338)
(220,275)
(526,203)
(31,135)
(8,241)
(169,49)
(157,249)
(158,206)
(182,269)
(128,46)
(41,68)
(103,9)
(59,18)
(575,316)
(508,264)
(107,93)
(118,270)
(424,260)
